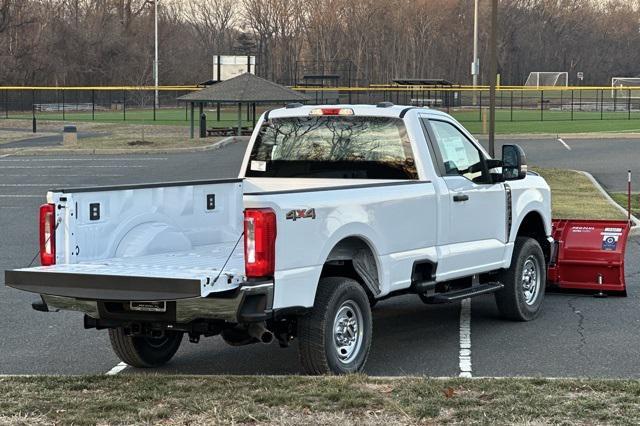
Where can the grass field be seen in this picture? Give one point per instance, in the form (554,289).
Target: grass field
(621,198)
(109,137)
(507,122)
(314,400)
(573,196)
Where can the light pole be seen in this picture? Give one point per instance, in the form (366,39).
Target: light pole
(155,62)
(475,65)
(493,71)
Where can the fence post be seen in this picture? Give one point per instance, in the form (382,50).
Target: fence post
(33,110)
(571,104)
(511,106)
(154,108)
(6,103)
(63,116)
(601,104)
(629,105)
(542,105)
(124,105)
(93,104)
(480,105)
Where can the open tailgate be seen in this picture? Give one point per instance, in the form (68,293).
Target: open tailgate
(150,243)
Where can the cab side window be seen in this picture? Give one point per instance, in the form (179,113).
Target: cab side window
(459,155)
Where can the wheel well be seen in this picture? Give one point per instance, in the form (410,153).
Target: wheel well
(353,258)
(533,226)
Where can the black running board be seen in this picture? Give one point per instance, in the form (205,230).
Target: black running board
(465,293)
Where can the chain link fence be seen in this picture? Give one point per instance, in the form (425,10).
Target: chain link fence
(514,104)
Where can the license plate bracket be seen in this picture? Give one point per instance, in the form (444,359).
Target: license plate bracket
(148,306)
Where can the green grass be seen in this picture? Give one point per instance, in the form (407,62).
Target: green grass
(169,116)
(573,196)
(558,122)
(621,198)
(520,121)
(319,400)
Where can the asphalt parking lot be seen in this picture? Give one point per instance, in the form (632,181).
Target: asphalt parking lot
(576,335)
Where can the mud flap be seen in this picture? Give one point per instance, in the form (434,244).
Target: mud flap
(589,255)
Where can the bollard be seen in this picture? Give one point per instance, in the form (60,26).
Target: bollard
(203,125)
(629,196)
(69,135)
(33,124)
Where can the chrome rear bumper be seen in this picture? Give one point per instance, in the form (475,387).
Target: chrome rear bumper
(251,302)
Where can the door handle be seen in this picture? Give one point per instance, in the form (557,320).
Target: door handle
(460,197)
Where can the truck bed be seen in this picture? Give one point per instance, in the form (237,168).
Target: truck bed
(147,242)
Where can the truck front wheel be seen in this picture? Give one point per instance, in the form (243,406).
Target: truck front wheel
(335,337)
(142,351)
(524,282)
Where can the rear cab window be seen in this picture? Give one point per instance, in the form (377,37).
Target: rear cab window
(340,147)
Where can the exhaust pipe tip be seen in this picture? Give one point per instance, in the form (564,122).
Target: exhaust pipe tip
(267,337)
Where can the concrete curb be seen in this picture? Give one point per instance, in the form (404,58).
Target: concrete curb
(634,220)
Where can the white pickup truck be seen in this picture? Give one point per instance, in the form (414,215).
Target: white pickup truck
(335,208)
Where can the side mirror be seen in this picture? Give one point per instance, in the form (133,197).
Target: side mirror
(514,162)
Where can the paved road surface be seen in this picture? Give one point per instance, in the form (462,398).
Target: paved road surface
(576,335)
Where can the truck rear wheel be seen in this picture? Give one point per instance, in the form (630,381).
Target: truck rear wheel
(524,282)
(335,337)
(142,351)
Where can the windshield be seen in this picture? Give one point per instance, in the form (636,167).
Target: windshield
(338,147)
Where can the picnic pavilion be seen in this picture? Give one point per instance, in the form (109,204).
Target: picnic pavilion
(244,90)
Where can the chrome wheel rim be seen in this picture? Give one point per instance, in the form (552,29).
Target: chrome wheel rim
(531,280)
(347,331)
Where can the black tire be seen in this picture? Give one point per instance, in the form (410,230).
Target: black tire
(317,343)
(144,352)
(517,301)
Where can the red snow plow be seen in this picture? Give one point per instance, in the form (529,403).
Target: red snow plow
(589,255)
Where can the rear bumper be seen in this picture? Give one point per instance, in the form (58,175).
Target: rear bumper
(251,302)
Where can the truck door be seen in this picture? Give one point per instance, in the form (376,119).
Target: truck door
(472,235)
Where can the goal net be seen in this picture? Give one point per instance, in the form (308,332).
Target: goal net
(625,87)
(547,79)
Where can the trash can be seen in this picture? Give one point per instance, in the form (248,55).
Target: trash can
(203,125)
(70,135)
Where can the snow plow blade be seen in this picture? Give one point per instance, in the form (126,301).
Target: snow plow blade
(589,255)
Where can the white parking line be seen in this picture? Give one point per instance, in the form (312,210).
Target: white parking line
(115,370)
(465,338)
(78,166)
(42,184)
(57,175)
(31,160)
(564,144)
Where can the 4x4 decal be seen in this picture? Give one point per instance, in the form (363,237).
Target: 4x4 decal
(301,214)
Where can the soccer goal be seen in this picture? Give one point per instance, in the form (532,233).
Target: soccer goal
(623,87)
(547,79)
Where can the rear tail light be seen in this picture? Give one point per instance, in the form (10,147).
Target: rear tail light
(47,234)
(259,242)
(331,111)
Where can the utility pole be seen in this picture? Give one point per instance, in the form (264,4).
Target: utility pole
(493,71)
(155,62)
(475,65)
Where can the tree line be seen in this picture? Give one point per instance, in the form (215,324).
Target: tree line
(110,42)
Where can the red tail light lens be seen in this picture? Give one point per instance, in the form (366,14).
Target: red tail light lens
(259,242)
(47,234)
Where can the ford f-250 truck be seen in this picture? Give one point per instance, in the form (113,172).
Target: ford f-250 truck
(335,208)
